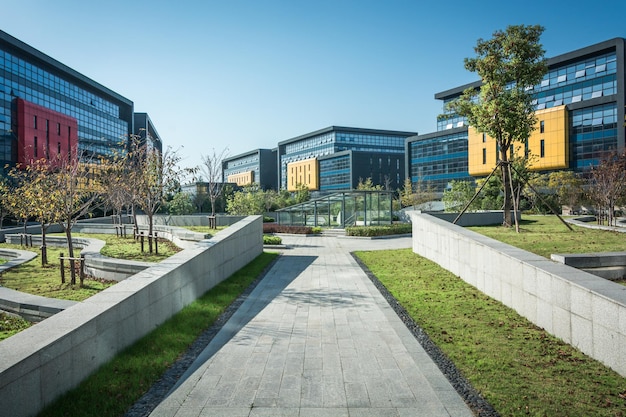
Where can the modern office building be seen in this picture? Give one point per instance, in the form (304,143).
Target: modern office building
(580,110)
(337,158)
(255,167)
(48,108)
(147,133)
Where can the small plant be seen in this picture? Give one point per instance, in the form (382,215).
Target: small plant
(272,240)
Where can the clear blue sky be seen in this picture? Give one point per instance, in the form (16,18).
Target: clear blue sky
(244,75)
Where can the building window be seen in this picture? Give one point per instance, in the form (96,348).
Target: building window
(484,138)
(542,148)
(58,147)
(35,147)
(59,129)
(484,156)
(542,126)
(35,122)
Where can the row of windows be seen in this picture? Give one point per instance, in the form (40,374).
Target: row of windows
(89,115)
(335,173)
(580,71)
(593,116)
(605,86)
(37,75)
(247,160)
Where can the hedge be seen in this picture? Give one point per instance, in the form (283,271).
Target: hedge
(371,231)
(281,228)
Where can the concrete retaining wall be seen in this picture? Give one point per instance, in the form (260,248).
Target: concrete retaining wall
(585,311)
(46,360)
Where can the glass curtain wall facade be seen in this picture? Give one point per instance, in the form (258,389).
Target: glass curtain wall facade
(439,158)
(335,172)
(261,163)
(589,82)
(104,118)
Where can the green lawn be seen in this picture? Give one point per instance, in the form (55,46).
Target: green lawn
(545,235)
(519,368)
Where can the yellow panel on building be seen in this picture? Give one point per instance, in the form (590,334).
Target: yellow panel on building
(549,142)
(482,155)
(242,179)
(548,145)
(303,173)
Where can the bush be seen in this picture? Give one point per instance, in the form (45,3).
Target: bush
(268,219)
(272,240)
(370,231)
(280,228)
(317,230)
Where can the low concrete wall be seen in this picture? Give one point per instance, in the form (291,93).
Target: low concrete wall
(39,364)
(583,310)
(608,265)
(189,220)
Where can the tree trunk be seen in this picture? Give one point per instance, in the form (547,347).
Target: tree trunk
(70,250)
(44,249)
(506,185)
(150,227)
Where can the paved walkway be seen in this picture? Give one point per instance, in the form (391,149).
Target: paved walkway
(315,338)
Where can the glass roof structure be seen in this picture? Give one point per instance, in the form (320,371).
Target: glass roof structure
(340,210)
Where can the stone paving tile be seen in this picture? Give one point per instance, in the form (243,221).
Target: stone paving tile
(315,338)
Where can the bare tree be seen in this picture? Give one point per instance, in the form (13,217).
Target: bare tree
(75,192)
(607,185)
(211,169)
(153,177)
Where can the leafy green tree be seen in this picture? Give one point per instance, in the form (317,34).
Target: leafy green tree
(302,194)
(249,201)
(368,185)
(181,204)
(458,195)
(509,65)
(567,186)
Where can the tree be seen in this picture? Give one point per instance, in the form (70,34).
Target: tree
(416,194)
(458,195)
(608,185)
(75,192)
(153,177)
(181,204)
(45,209)
(249,201)
(211,168)
(5,190)
(567,186)
(509,65)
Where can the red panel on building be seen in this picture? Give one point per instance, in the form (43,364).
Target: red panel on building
(44,133)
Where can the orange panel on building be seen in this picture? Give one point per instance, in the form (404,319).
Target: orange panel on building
(303,173)
(242,179)
(547,147)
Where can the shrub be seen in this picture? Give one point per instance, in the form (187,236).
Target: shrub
(280,228)
(370,231)
(272,240)
(317,230)
(268,219)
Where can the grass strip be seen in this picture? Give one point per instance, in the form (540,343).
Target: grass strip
(516,366)
(117,385)
(545,235)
